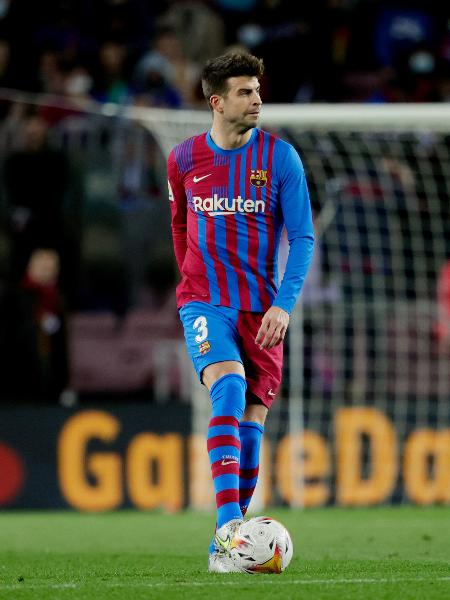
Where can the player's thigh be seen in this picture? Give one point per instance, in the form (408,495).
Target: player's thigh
(263,368)
(211,339)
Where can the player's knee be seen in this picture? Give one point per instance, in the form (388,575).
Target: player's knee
(216,371)
(228,395)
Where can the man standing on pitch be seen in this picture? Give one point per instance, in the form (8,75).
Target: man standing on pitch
(231,190)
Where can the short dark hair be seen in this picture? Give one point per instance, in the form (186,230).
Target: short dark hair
(232,64)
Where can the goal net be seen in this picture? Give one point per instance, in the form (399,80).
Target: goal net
(364,416)
(364,412)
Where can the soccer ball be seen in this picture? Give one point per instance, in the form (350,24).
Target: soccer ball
(262,545)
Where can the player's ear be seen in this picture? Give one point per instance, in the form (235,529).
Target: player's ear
(216,102)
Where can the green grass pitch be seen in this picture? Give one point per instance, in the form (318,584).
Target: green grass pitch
(341,554)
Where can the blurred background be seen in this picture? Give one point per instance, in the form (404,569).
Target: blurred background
(91,348)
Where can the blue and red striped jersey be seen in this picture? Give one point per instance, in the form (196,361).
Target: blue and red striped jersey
(228,209)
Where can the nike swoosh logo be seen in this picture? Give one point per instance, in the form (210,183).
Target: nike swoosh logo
(224,543)
(228,462)
(270,393)
(222,213)
(197,179)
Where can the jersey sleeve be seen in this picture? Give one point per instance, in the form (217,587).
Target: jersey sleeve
(297,215)
(178,209)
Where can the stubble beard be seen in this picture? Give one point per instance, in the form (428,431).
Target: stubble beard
(244,126)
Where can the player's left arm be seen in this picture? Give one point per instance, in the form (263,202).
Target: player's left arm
(297,215)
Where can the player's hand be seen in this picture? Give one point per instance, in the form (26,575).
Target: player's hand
(273,328)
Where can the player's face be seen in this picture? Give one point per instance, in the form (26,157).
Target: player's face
(241,105)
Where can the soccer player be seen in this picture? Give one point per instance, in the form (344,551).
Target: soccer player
(231,191)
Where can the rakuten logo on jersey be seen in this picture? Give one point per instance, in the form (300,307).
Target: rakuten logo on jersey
(227,206)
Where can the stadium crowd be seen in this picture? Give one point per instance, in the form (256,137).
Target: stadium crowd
(151,53)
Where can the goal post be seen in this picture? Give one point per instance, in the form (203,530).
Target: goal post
(364,416)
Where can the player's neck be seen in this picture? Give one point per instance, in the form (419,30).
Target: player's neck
(229,139)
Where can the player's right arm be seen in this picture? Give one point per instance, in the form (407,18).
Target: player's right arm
(178,209)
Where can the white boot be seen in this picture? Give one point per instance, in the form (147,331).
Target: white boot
(220,560)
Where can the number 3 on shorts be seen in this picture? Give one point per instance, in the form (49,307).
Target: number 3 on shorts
(200,325)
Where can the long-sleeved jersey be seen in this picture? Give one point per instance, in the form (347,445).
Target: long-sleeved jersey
(228,209)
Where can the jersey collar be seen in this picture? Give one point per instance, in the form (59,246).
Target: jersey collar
(224,152)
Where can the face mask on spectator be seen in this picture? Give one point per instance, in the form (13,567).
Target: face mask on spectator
(78,84)
(421,62)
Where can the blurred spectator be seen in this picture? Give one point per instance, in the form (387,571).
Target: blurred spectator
(69,84)
(166,64)
(33,333)
(199,28)
(36,179)
(111,84)
(400,62)
(153,90)
(50,75)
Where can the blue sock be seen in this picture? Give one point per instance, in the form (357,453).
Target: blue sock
(228,403)
(250,434)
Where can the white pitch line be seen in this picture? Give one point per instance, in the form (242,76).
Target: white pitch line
(264,580)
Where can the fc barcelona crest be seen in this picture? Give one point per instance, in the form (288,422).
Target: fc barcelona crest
(205,347)
(258,177)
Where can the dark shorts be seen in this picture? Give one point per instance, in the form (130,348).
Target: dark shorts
(218,333)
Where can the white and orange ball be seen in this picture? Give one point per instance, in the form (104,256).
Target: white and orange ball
(262,545)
